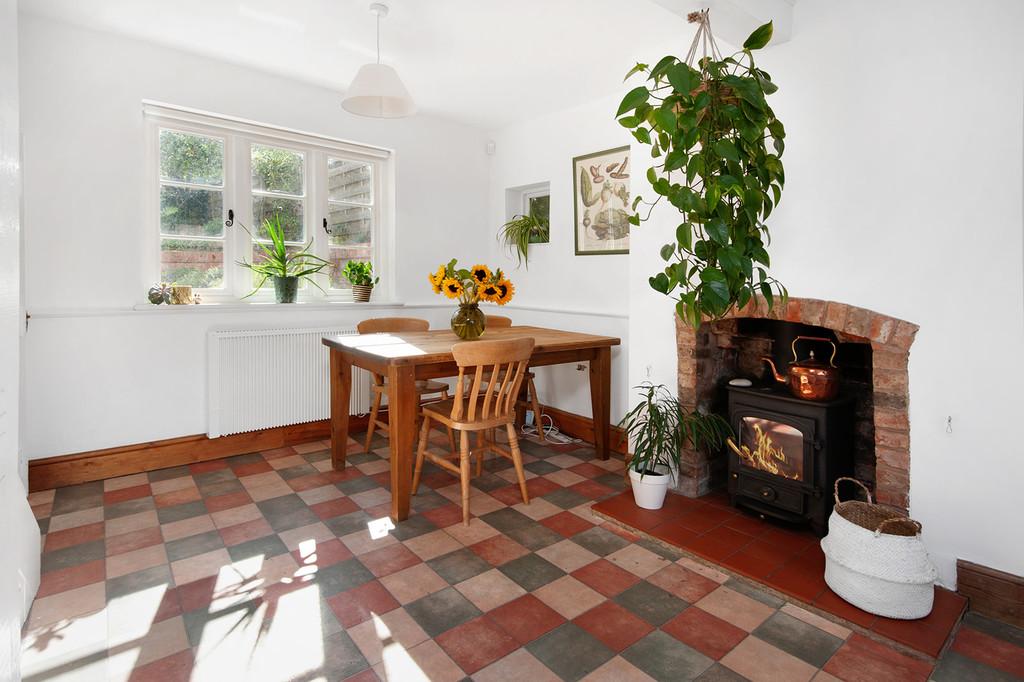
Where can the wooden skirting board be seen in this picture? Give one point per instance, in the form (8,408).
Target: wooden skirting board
(82,467)
(993,593)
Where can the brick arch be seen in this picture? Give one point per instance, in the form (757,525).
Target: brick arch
(890,340)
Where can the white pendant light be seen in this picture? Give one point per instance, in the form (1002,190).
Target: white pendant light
(377,91)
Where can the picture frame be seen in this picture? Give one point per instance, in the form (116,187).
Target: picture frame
(601,202)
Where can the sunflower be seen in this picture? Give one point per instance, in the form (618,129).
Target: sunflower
(489,292)
(452,287)
(481,273)
(505,292)
(434,283)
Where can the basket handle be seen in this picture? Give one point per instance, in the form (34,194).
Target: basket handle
(863,487)
(883,524)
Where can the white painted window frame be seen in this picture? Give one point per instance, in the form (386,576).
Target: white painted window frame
(239,135)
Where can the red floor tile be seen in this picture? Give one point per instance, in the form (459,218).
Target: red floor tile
(566,524)
(499,550)
(136,539)
(204,467)
(526,618)
(251,468)
(388,560)
(59,539)
(991,651)
(335,507)
(605,577)
(125,494)
(358,604)
(476,644)
(591,489)
(683,583)
(445,516)
(325,554)
(588,470)
(243,532)
(509,494)
(863,660)
(63,579)
(540,486)
(309,482)
(616,627)
(176,497)
(197,594)
(708,634)
(229,501)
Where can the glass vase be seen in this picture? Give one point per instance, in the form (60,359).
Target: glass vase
(468,321)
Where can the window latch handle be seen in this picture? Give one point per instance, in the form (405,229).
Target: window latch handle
(231,218)
(325,228)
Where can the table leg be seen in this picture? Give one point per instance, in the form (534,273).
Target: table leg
(341,386)
(402,409)
(600,399)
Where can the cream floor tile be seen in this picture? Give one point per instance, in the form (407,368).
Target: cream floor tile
(68,605)
(387,635)
(76,519)
(137,560)
(199,566)
(187,527)
(127,524)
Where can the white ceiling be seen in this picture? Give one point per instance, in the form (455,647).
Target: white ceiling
(483,62)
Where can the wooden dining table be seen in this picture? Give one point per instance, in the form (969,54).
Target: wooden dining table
(407,357)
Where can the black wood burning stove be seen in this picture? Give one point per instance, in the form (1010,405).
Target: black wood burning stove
(788,453)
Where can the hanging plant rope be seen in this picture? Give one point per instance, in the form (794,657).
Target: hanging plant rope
(718,146)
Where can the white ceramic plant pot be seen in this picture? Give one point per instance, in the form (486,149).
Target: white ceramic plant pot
(649,491)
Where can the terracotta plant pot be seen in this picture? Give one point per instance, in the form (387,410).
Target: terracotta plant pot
(361,292)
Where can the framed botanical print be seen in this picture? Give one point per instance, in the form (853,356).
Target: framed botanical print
(601,202)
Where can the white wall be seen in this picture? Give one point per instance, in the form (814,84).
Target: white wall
(19,534)
(904,195)
(99,375)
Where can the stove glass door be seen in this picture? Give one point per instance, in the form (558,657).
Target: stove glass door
(772,446)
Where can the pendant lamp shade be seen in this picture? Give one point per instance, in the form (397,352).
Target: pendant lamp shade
(377,91)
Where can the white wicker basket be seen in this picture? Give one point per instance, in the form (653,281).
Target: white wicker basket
(884,574)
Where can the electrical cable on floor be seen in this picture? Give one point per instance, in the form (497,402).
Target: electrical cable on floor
(551,431)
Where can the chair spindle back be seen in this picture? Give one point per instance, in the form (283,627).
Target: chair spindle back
(499,363)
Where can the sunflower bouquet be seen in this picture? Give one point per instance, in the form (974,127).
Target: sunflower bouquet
(471,286)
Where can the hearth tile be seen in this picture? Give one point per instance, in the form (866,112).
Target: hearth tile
(476,644)
(708,634)
(798,638)
(719,543)
(864,660)
(614,626)
(674,534)
(665,658)
(748,525)
(836,605)
(751,563)
(605,577)
(699,521)
(759,661)
(797,581)
(928,634)
(526,618)
(653,604)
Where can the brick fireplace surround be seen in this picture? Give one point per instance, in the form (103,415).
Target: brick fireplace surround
(890,341)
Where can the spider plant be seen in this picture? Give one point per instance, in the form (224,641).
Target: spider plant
(279,264)
(518,233)
(659,428)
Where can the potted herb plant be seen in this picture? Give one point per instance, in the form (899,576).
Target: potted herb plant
(360,276)
(717,146)
(286,268)
(658,429)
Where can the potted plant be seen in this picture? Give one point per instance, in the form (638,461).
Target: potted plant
(286,268)
(717,146)
(360,275)
(658,429)
(523,230)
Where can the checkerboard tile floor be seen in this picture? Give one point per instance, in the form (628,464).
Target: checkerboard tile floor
(272,566)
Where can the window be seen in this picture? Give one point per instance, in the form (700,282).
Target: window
(331,195)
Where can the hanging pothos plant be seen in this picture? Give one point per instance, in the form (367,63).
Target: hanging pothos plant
(718,144)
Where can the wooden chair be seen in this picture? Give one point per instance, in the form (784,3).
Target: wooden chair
(424,389)
(501,364)
(531,400)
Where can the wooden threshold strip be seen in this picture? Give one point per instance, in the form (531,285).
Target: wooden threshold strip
(95,465)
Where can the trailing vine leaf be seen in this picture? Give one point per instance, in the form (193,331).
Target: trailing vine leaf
(719,147)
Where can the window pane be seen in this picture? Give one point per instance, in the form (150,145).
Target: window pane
(277,170)
(191,158)
(350,181)
(350,225)
(191,261)
(193,212)
(289,211)
(339,256)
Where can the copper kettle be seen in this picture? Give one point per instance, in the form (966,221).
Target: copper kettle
(810,379)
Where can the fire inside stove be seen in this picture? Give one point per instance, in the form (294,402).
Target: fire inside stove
(771,446)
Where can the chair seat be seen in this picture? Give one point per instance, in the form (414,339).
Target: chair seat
(442,412)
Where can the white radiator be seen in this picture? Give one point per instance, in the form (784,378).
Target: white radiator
(259,379)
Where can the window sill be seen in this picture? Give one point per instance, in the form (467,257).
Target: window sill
(214,308)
